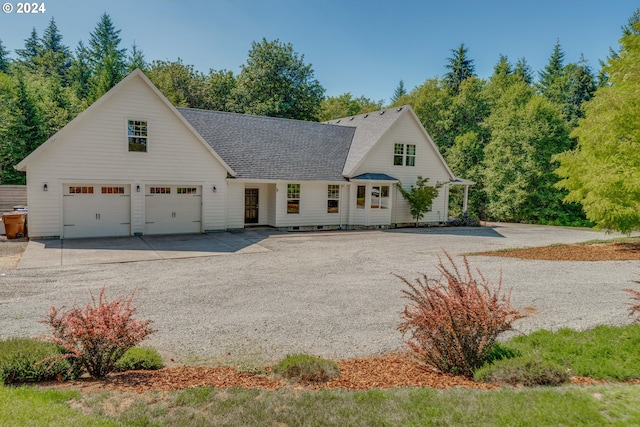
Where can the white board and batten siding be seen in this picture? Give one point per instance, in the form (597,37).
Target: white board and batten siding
(96,152)
(407,130)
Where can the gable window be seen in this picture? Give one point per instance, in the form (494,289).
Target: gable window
(333,198)
(137,135)
(360,195)
(398,154)
(293,198)
(410,159)
(404,154)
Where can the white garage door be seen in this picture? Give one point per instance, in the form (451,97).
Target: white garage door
(96,210)
(173,209)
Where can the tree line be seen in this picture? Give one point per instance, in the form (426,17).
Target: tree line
(512,133)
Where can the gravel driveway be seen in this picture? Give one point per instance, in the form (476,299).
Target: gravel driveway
(330,294)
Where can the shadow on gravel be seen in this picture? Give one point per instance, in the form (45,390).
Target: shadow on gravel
(485,231)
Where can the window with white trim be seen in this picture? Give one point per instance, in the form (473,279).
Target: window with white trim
(380,197)
(404,154)
(360,196)
(333,198)
(293,198)
(137,135)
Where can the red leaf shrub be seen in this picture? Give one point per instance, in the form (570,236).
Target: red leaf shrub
(96,336)
(635,305)
(453,322)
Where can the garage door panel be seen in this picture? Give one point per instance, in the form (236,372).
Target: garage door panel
(173,209)
(96,210)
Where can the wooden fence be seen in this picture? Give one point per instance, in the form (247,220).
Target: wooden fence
(12,195)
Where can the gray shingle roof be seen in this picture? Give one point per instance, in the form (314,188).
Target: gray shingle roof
(370,128)
(271,148)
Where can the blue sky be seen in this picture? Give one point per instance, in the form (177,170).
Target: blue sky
(360,46)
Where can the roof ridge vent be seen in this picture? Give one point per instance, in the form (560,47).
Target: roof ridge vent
(382,112)
(366,115)
(399,109)
(351,118)
(338,121)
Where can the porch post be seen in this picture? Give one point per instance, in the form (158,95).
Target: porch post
(466,197)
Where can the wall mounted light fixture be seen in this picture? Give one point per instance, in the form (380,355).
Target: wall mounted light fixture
(45,187)
(138,188)
(214,189)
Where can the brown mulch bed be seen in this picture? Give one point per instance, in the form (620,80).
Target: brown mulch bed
(387,371)
(613,251)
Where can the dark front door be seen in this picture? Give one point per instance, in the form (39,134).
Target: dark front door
(251,205)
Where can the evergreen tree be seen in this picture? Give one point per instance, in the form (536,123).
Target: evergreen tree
(551,80)
(55,57)
(460,68)
(4,59)
(503,67)
(20,128)
(581,87)
(80,73)
(31,52)
(106,58)
(398,93)
(136,59)
(523,71)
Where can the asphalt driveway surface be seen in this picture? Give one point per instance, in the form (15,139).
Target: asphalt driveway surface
(330,294)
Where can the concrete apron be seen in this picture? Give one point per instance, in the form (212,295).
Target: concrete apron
(56,252)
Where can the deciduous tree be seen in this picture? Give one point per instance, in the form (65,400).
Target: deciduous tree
(419,197)
(276,82)
(346,105)
(603,172)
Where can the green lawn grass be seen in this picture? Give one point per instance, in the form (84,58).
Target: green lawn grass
(28,406)
(604,352)
(612,405)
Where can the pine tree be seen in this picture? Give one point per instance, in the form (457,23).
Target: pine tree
(581,88)
(105,57)
(136,59)
(523,71)
(460,68)
(55,56)
(398,93)
(31,52)
(80,73)
(551,80)
(4,59)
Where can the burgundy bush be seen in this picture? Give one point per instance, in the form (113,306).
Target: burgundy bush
(634,310)
(96,336)
(452,322)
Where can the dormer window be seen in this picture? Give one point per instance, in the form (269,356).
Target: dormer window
(137,135)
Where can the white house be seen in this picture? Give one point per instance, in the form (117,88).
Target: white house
(133,164)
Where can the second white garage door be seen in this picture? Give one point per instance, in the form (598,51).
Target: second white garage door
(173,209)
